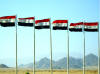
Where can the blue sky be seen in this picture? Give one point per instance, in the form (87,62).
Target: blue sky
(72,10)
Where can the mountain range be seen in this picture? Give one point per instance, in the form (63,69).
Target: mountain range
(3,66)
(74,63)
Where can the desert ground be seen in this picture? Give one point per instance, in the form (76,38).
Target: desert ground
(23,71)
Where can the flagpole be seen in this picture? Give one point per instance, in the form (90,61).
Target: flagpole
(98,52)
(68,49)
(34,47)
(98,47)
(84,49)
(51,69)
(16,46)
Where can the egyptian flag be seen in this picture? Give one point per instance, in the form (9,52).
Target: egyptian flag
(91,26)
(7,21)
(76,27)
(26,21)
(60,24)
(42,24)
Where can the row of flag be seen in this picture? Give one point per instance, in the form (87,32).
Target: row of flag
(7,21)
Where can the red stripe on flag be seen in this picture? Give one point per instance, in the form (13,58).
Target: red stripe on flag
(75,24)
(91,23)
(60,21)
(43,20)
(8,17)
(26,18)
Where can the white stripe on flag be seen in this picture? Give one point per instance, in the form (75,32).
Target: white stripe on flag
(91,27)
(7,20)
(43,24)
(60,24)
(26,21)
(77,27)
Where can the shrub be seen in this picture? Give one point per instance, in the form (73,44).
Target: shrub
(27,73)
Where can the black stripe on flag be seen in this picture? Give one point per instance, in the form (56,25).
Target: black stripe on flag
(75,29)
(25,24)
(91,30)
(42,27)
(59,28)
(10,24)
